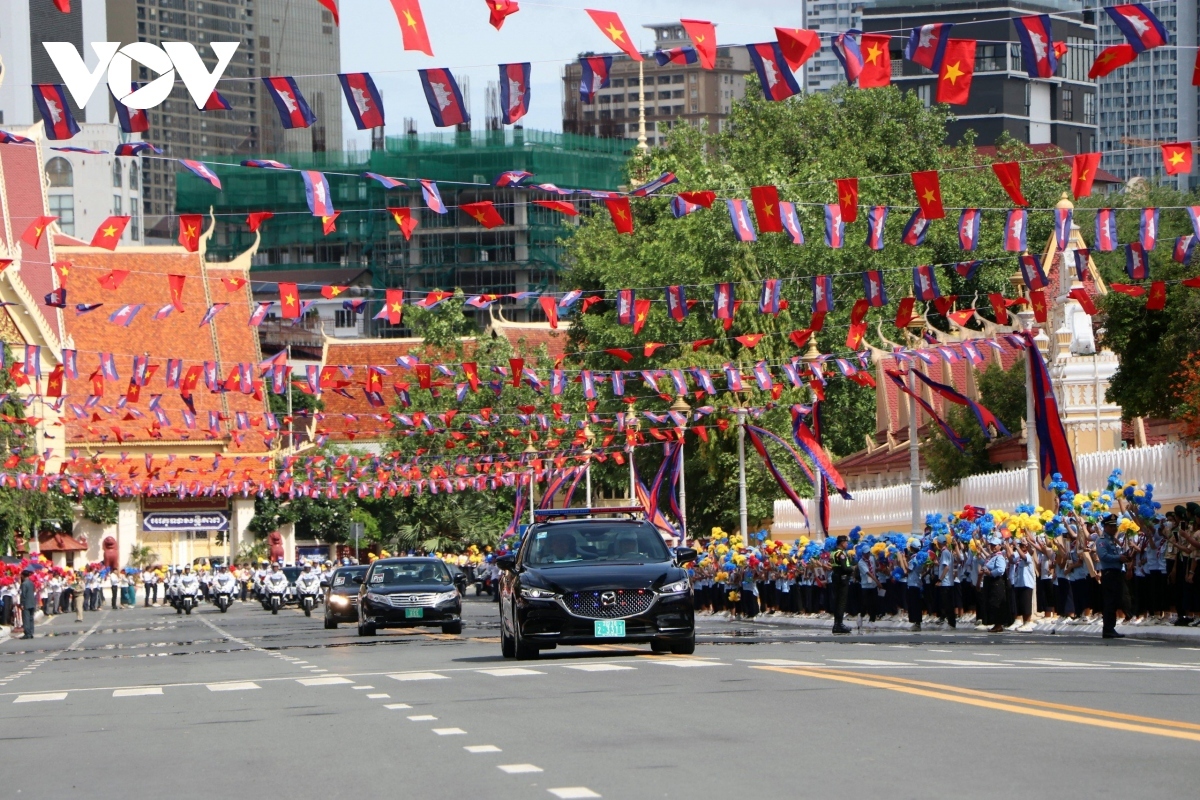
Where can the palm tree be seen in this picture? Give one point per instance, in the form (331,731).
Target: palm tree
(142,556)
(451,522)
(252,553)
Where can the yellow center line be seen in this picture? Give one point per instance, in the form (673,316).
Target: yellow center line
(1012,705)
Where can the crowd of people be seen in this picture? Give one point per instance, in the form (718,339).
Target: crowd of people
(1100,555)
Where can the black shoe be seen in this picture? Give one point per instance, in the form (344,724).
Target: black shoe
(842,629)
(1113,635)
(1183,622)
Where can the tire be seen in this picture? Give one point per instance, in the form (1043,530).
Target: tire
(366,630)
(330,624)
(189,611)
(307,611)
(224,608)
(178,610)
(686,647)
(452,628)
(522,650)
(660,647)
(274,610)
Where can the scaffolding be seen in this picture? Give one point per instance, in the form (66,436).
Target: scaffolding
(446,250)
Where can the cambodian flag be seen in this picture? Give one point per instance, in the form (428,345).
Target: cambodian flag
(201,170)
(124,315)
(51,101)
(625,306)
(384,180)
(676,55)
(845,47)
(925,283)
(1136,265)
(967,269)
(1037,45)
(108,367)
(1014,230)
(1081,263)
(1184,245)
(1106,230)
(316,191)
(835,229)
(874,289)
(768,302)
(776,78)
(70,360)
(12,138)
(743,227)
(1148,230)
(217,102)
(1141,28)
(677,306)
(570,298)
(366,104)
(265,163)
(927,45)
(512,178)
(1194,216)
(445,100)
(596,71)
(791,221)
(662,181)
(433,198)
(968,228)
(136,149)
(1062,227)
(723,301)
(681,208)
(822,289)
(1031,271)
(514,92)
(132,120)
(293,108)
(915,229)
(876,220)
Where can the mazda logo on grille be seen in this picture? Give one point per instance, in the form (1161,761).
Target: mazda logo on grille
(608,599)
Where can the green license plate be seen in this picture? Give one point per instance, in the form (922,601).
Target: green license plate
(414,613)
(610,629)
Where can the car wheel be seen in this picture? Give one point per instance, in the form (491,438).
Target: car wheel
(366,630)
(521,649)
(508,648)
(329,624)
(660,647)
(686,647)
(452,628)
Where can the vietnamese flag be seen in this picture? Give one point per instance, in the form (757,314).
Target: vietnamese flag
(1083,172)
(1177,158)
(958,66)
(561,206)
(929,194)
(113,280)
(550,307)
(405,220)
(1009,174)
(904,312)
(1081,296)
(189,231)
(704,39)
(108,235)
(621,213)
(704,199)
(333,9)
(749,339)
(289,300)
(797,45)
(877,60)
(394,300)
(500,11)
(257,218)
(847,191)
(233,284)
(610,23)
(641,312)
(412,25)
(1157,300)
(329,223)
(33,234)
(1037,298)
(330,292)
(175,282)
(1111,59)
(484,212)
(766,208)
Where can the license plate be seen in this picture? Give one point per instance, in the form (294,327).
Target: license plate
(414,613)
(610,628)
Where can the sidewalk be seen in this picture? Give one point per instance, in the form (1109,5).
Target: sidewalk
(1167,633)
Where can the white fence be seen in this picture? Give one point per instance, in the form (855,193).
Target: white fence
(1172,469)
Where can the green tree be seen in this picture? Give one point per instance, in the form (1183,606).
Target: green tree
(101,509)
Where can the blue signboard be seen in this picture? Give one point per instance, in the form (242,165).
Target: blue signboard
(170,521)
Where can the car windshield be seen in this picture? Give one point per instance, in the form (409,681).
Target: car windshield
(429,573)
(343,579)
(592,543)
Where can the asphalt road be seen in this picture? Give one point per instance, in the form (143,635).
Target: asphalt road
(142,700)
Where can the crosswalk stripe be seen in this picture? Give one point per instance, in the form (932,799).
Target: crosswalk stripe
(379,696)
(572,793)
(397,706)
(481,748)
(949,662)
(418,676)
(328,681)
(147,690)
(779,662)
(871,662)
(37,698)
(597,667)
(682,662)
(422,718)
(518,769)
(235,686)
(449,731)
(510,672)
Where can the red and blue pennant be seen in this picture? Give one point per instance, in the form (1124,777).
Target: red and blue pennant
(51,99)
(293,108)
(514,92)
(1037,45)
(364,100)
(445,99)
(777,80)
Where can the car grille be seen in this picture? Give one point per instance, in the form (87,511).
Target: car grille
(412,600)
(611,604)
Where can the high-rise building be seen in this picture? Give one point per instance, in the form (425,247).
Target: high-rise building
(1151,100)
(823,70)
(298,37)
(675,93)
(1003,99)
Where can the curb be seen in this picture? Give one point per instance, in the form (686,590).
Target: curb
(1168,633)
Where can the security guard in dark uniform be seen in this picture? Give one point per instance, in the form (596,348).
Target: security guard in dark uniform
(842,570)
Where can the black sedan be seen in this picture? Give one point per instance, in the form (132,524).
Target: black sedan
(595,581)
(408,593)
(341,596)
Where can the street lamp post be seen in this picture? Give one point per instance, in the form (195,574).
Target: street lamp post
(587,435)
(917,522)
(813,356)
(1026,319)
(680,406)
(530,451)
(741,421)
(631,430)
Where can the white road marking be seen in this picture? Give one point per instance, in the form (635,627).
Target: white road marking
(326,681)
(481,748)
(236,686)
(360,688)
(518,769)
(949,662)
(397,706)
(418,676)
(1151,664)
(1046,663)
(779,662)
(137,692)
(684,662)
(572,793)
(37,698)
(870,662)
(597,667)
(379,696)
(422,718)
(449,731)
(510,672)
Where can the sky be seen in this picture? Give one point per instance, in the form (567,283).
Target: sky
(549,34)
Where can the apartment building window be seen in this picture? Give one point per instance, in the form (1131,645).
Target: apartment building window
(989,58)
(344,318)
(63,207)
(135,222)
(133,176)
(59,173)
(117,204)
(1089,108)
(1068,104)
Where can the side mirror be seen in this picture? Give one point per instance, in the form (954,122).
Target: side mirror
(685,555)
(507,563)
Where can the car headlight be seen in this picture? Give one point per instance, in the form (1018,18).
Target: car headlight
(339,599)
(533,593)
(377,598)
(445,597)
(678,587)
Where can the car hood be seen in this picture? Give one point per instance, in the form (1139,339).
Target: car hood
(409,588)
(590,577)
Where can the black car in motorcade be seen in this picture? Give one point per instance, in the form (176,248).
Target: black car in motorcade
(341,595)
(408,593)
(589,581)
